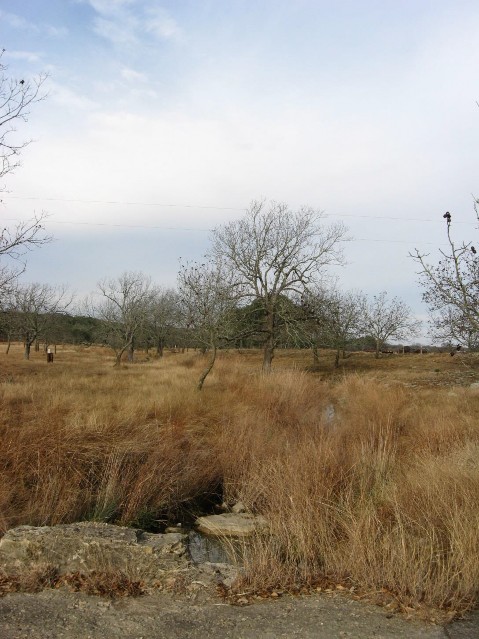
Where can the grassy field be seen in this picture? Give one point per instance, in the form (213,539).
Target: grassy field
(369,474)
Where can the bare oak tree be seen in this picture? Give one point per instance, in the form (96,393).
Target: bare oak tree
(451,289)
(275,252)
(123,311)
(334,318)
(208,296)
(385,319)
(163,317)
(35,308)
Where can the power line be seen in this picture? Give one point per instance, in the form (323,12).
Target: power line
(182,228)
(123,203)
(215,208)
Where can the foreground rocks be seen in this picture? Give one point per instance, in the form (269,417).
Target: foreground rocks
(182,601)
(90,547)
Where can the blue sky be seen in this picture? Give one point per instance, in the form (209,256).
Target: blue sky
(366,110)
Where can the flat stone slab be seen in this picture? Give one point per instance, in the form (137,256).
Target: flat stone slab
(88,546)
(231,524)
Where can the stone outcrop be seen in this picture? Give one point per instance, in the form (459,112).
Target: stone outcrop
(231,524)
(90,546)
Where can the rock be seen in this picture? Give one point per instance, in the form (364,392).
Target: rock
(89,546)
(474,386)
(238,508)
(231,524)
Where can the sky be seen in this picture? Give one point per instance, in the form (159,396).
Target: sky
(166,119)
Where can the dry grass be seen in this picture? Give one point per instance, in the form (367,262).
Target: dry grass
(370,479)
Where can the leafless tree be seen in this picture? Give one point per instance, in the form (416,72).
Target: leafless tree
(35,307)
(334,317)
(163,317)
(451,289)
(8,324)
(16,98)
(386,319)
(277,252)
(208,296)
(123,310)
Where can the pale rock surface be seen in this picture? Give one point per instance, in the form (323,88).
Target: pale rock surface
(231,524)
(88,546)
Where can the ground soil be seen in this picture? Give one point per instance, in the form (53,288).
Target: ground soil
(57,614)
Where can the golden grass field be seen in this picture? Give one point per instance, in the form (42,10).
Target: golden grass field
(369,474)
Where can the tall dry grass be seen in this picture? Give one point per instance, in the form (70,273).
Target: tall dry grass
(365,481)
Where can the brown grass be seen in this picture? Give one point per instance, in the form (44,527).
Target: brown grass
(370,479)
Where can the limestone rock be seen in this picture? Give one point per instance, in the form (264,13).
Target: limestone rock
(88,546)
(231,524)
(238,508)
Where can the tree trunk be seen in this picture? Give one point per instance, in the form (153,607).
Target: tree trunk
(315,356)
(268,349)
(26,352)
(377,349)
(37,346)
(208,368)
(131,351)
(9,342)
(336,359)
(159,348)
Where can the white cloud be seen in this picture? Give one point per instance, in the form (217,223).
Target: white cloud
(122,23)
(15,21)
(55,32)
(133,76)
(29,56)
(161,24)
(109,7)
(117,31)
(67,97)
(18,22)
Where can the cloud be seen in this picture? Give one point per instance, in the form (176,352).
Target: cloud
(29,56)
(69,98)
(161,24)
(109,7)
(133,76)
(15,21)
(117,31)
(126,22)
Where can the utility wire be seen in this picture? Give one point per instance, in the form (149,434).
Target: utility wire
(216,208)
(181,228)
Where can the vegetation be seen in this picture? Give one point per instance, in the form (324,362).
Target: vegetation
(369,476)
(451,289)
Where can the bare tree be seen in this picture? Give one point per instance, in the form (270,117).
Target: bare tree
(275,251)
(451,289)
(123,310)
(8,324)
(16,98)
(335,318)
(163,317)
(386,319)
(35,307)
(208,296)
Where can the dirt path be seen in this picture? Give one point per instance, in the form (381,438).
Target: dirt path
(54,614)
